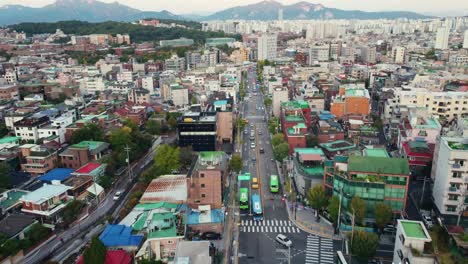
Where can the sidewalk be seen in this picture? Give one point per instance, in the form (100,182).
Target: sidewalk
(306,221)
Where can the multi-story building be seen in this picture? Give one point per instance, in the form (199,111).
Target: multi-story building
(398,54)
(38,160)
(198,129)
(91,85)
(442,38)
(351,100)
(465,40)
(280,95)
(369,54)
(449,173)
(181,42)
(80,154)
(413,244)
(307,168)
(179,95)
(139,96)
(46,201)
(447,105)
(28,128)
(8,91)
(296,136)
(56,130)
(205,184)
(174,64)
(374,177)
(328,131)
(214,42)
(319,53)
(267,46)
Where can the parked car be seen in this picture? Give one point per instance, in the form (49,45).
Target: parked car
(246,132)
(262,150)
(427,220)
(283,240)
(252,145)
(117,195)
(390,230)
(259,132)
(210,236)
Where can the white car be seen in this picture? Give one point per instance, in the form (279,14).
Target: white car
(427,220)
(117,195)
(252,145)
(283,240)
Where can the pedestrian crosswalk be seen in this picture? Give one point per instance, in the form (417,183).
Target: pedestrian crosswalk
(319,250)
(268,226)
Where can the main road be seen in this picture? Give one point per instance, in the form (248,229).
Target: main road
(257,238)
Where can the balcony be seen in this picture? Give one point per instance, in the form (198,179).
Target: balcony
(452,189)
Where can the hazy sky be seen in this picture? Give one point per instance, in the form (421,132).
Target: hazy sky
(189,6)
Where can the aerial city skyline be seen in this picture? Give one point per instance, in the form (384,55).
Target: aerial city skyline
(433,7)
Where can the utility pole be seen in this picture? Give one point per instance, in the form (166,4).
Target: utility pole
(339,212)
(129,169)
(289,255)
(352,234)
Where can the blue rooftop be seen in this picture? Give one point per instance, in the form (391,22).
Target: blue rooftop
(220,102)
(120,235)
(326,115)
(193,217)
(58,174)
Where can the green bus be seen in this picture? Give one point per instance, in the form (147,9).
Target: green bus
(244,198)
(274,185)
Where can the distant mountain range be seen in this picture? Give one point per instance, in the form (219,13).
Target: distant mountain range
(96,11)
(84,10)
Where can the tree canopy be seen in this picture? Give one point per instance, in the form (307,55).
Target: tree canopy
(96,252)
(277,139)
(334,208)
(383,215)
(359,207)
(363,245)
(281,151)
(88,132)
(166,160)
(317,198)
(236,163)
(5,171)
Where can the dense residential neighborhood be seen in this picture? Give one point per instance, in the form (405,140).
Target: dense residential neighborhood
(235,141)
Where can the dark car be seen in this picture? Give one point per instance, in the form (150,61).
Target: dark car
(210,236)
(262,150)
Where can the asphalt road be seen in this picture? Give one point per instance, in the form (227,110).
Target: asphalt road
(55,245)
(257,239)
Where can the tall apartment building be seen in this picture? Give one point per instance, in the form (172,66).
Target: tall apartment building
(442,38)
(267,46)
(369,54)
(438,104)
(398,54)
(450,176)
(174,64)
(319,53)
(465,40)
(280,95)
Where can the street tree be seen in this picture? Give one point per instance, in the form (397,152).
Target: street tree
(96,252)
(172,122)
(267,101)
(334,208)
(236,163)
(383,215)
(317,198)
(359,207)
(277,139)
(88,132)
(273,124)
(153,127)
(363,245)
(166,160)
(281,151)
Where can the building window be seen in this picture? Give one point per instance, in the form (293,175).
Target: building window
(402,239)
(170,242)
(453,197)
(451,208)
(202,175)
(203,195)
(202,185)
(197,201)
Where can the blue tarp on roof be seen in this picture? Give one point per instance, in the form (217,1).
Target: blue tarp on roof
(119,235)
(58,174)
(193,217)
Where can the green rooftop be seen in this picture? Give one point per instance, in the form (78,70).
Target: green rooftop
(7,140)
(294,118)
(376,152)
(382,165)
(166,223)
(91,145)
(309,151)
(338,145)
(211,155)
(13,197)
(413,229)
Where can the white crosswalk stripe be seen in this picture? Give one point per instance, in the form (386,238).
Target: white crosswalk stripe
(319,250)
(268,226)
